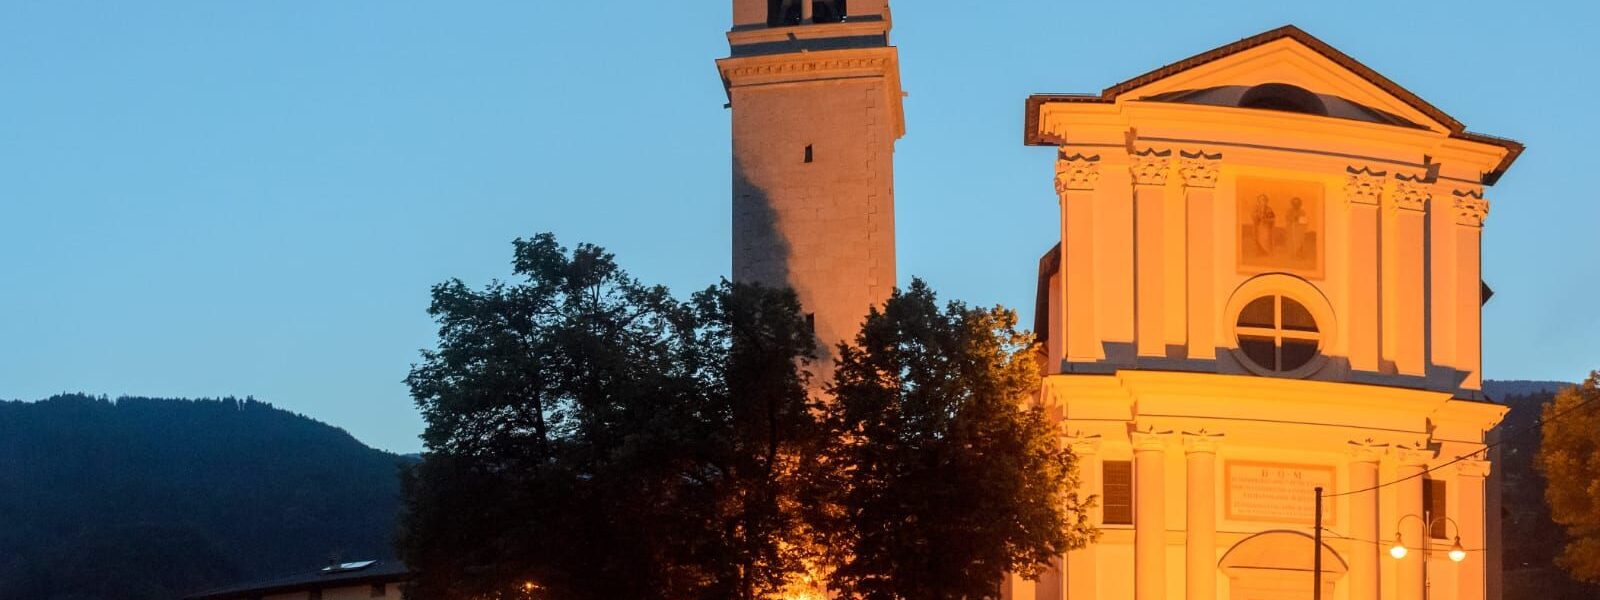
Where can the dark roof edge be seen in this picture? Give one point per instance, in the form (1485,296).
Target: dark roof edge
(1031,136)
(309,582)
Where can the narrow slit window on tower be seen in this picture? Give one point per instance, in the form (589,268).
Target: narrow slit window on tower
(809,154)
(1116,491)
(811,322)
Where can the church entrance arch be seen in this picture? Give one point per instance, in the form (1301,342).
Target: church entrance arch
(1277,565)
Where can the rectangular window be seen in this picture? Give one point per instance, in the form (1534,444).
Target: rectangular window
(810,156)
(1116,492)
(1433,508)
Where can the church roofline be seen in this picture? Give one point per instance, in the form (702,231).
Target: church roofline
(1032,137)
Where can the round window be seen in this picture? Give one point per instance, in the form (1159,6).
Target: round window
(1278,334)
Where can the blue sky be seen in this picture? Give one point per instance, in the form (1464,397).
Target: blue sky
(252,198)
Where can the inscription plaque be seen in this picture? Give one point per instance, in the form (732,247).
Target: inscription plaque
(1277,492)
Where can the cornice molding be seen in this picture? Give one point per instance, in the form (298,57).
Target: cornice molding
(788,64)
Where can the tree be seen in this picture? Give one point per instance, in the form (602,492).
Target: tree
(949,475)
(590,437)
(1570,459)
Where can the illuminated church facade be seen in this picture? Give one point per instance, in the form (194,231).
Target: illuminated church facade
(1267,281)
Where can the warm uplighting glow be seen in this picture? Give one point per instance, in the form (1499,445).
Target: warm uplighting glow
(1457,553)
(1398,550)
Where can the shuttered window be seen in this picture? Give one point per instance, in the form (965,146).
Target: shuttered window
(1433,506)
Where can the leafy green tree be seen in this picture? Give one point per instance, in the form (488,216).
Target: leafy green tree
(589,436)
(764,437)
(1570,459)
(949,474)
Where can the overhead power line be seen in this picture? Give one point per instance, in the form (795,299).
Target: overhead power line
(1539,422)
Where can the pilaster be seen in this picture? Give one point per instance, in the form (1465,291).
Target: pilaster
(1081,563)
(1150,168)
(1364,457)
(1408,501)
(1470,209)
(1150,516)
(1363,191)
(1199,171)
(1076,178)
(1200,535)
(1469,476)
(1404,279)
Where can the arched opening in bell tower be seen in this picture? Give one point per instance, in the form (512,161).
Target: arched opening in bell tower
(785,13)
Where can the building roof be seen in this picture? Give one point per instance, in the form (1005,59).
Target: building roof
(346,575)
(1032,137)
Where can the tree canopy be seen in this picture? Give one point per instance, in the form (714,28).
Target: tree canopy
(596,438)
(949,473)
(1570,460)
(592,437)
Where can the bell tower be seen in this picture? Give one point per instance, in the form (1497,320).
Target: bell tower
(814,88)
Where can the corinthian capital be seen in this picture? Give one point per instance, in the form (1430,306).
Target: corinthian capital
(1410,193)
(1473,468)
(1076,172)
(1199,170)
(1202,442)
(1152,440)
(1367,451)
(1364,185)
(1150,167)
(1471,208)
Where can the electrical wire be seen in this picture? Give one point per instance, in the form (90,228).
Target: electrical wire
(1537,422)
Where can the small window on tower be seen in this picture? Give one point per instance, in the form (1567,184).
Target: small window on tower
(811,322)
(809,154)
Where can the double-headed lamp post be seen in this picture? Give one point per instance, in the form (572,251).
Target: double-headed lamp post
(1399,550)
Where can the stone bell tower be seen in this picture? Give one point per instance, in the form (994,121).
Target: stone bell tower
(814,87)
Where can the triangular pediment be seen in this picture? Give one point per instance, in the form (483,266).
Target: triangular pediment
(1290,56)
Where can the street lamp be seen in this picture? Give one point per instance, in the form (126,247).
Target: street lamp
(1399,550)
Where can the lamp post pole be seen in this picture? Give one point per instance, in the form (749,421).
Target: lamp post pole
(1316,556)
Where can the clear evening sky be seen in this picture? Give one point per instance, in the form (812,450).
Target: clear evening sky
(252,198)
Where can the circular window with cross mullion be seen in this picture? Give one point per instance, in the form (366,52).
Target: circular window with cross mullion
(1278,334)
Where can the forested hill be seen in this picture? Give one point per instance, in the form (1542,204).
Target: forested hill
(153,498)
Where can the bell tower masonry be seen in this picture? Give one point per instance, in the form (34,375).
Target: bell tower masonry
(814,88)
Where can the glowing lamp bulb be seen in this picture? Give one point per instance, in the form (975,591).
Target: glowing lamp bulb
(1457,553)
(1398,550)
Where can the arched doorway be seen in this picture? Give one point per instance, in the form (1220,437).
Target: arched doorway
(1277,565)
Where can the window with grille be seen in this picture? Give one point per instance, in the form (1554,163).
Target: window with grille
(1116,492)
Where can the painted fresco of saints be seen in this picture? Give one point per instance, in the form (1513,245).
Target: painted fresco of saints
(1280,226)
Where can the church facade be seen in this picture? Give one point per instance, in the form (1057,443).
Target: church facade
(1267,282)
